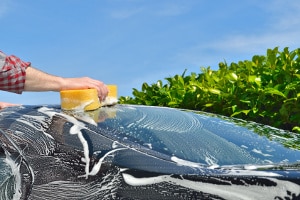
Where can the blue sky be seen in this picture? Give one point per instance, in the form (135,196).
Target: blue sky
(128,42)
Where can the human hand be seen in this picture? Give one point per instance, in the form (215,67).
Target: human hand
(86,83)
(4,105)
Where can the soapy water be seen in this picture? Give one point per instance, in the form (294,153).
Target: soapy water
(9,179)
(166,153)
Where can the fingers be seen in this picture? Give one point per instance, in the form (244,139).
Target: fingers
(85,83)
(4,105)
(102,91)
(100,87)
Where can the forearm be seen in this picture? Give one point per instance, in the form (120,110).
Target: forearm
(37,80)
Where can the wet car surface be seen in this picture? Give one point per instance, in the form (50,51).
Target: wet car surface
(143,152)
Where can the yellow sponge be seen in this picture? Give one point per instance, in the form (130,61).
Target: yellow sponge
(86,99)
(113,91)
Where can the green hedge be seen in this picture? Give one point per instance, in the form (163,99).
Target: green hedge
(265,89)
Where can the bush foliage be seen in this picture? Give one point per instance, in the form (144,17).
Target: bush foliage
(265,89)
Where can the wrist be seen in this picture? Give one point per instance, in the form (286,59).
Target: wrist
(61,84)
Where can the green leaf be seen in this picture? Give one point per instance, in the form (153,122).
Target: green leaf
(173,104)
(208,104)
(296,129)
(297,75)
(245,101)
(159,83)
(233,108)
(233,76)
(254,79)
(274,91)
(239,112)
(214,91)
(145,86)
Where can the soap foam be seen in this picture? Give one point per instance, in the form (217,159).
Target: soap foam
(243,192)
(15,168)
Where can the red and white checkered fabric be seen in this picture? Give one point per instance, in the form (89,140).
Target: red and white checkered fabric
(12,73)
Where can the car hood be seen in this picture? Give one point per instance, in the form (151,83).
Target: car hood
(122,150)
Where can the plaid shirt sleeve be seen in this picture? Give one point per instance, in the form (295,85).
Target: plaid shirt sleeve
(12,73)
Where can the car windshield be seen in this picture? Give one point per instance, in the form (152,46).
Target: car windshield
(202,137)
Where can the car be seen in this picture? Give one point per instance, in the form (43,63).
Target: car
(143,152)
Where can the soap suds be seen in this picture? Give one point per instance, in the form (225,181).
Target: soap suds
(15,168)
(232,191)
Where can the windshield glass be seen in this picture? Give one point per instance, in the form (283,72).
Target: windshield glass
(202,137)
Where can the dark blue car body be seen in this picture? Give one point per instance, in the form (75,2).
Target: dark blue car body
(143,152)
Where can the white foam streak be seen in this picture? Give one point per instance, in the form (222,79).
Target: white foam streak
(182,162)
(97,166)
(260,152)
(75,129)
(243,192)
(131,180)
(249,170)
(15,168)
